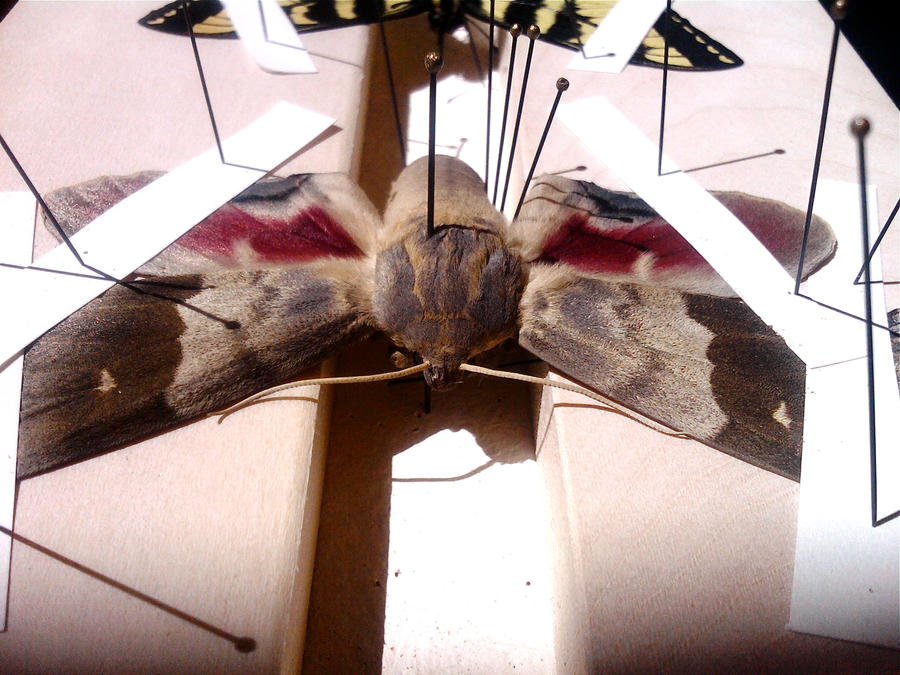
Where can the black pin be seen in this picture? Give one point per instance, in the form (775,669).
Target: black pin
(838,12)
(515,31)
(533,34)
(46,209)
(390,76)
(53,221)
(665,84)
(490,81)
(887,225)
(206,97)
(97,273)
(561,85)
(209,109)
(860,128)
(433,63)
(241,644)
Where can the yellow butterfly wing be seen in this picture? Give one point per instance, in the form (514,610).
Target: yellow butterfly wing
(569,23)
(209,18)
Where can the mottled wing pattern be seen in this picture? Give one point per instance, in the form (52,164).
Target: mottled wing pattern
(260,291)
(209,18)
(569,23)
(619,301)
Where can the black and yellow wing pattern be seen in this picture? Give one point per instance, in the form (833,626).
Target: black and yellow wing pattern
(566,23)
(569,23)
(210,19)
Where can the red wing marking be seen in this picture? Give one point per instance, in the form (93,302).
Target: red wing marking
(616,250)
(310,234)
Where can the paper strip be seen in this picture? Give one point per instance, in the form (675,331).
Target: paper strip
(16,235)
(713,231)
(139,227)
(847,573)
(275,47)
(619,34)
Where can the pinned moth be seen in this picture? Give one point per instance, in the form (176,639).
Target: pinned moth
(590,280)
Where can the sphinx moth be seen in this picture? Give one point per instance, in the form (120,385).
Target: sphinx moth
(590,280)
(565,23)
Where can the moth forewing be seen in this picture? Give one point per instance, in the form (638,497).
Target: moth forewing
(276,280)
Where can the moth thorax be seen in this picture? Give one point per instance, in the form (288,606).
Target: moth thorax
(459,200)
(456,293)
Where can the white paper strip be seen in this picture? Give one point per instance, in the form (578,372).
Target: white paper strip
(16,236)
(275,46)
(139,227)
(461,134)
(713,231)
(847,573)
(618,35)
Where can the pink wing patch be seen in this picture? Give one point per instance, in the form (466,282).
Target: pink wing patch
(306,235)
(281,221)
(617,250)
(604,240)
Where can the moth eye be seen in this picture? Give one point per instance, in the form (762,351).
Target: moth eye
(401,360)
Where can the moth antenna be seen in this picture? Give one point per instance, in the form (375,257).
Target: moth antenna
(533,34)
(609,405)
(390,77)
(562,84)
(355,379)
(490,82)
(433,63)
(838,12)
(515,31)
(665,81)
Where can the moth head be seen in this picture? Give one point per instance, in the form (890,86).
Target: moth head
(443,375)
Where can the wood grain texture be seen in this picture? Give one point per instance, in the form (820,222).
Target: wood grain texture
(212,520)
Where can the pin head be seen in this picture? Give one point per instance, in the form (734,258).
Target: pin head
(533,32)
(433,62)
(562,84)
(839,9)
(859,126)
(515,30)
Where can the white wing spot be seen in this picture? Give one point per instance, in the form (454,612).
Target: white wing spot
(781,416)
(107,382)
